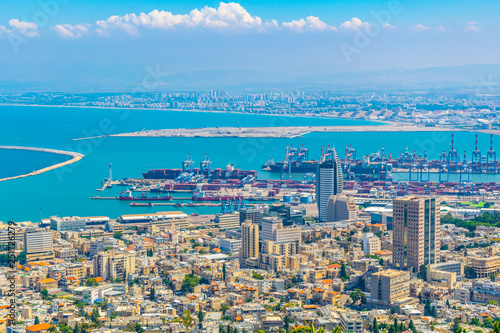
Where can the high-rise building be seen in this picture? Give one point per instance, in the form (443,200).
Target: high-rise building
(329,181)
(416,232)
(249,251)
(252,214)
(38,244)
(341,207)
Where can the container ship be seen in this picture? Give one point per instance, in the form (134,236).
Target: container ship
(188,173)
(127,196)
(371,167)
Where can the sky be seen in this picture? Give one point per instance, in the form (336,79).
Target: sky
(96,45)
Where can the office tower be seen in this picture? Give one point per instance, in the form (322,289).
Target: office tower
(416,233)
(228,221)
(38,244)
(252,214)
(371,243)
(341,207)
(329,182)
(249,251)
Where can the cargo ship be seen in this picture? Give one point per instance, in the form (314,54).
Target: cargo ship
(127,196)
(371,167)
(230,172)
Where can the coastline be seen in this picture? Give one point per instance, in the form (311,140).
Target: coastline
(380,122)
(75,157)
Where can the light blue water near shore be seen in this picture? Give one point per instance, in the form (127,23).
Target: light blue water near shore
(66,191)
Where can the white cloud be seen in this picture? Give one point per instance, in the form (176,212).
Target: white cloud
(420,28)
(440,28)
(311,23)
(21,28)
(72,31)
(472,26)
(226,16)
(354,24)
(388,26)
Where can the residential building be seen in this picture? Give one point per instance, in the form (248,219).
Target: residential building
(371,243)
(485,267)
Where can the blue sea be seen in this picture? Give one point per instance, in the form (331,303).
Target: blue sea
(67,190)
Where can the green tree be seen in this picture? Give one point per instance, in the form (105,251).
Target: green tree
(76,329)
(456,325)
(44,293)
(138,328)
(91,282)
(118,235)
(493,302)
(190,281)
(186,319)
(152,295)
(412,327)
(37,320)
(422,272)
(201,316)
(375,328)
(343,272)
(224,271)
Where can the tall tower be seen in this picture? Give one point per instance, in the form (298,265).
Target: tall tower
(416,232)
(249,242)
(329,181)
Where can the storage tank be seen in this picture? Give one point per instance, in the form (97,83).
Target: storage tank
(287,198)
(305,198)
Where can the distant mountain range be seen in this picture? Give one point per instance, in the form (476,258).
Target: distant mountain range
(479,79)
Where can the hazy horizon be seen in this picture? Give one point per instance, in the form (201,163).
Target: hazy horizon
(62,45)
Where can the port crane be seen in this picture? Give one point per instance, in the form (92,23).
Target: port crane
(206,164)
(491,158)
(453,157)
(476,159)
